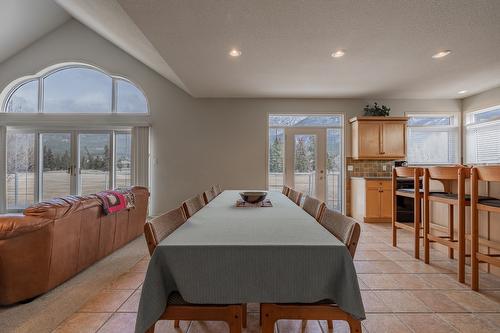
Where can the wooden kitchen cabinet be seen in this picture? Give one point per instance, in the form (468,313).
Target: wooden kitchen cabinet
(371,199)
(378,138)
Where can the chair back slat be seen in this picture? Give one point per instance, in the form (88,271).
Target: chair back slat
(313,207)
(345,228)
(161,226)
(408,172)
(209,195)
(490,173)
(217,189)
(191,206)
(285,190)
(447,172)
(295,196)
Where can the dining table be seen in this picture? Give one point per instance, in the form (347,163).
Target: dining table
(225,254)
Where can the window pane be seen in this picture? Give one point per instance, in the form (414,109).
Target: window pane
(24,99)
(334,169)
(20,170)
(56,160)
(129,98)
(305,164)
(481,117)
(123,157)
(77,90)
(276,158)
(432,147)
(305,121)
(95,160)
(483,143)
(430,121)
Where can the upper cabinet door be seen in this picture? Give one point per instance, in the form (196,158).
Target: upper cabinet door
(369,139)
(393,139)
(378,138)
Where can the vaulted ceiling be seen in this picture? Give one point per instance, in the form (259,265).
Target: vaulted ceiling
(286,45)
(25,21)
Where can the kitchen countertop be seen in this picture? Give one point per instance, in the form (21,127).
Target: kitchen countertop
(371,178)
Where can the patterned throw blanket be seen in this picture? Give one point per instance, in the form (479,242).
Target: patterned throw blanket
(114,201)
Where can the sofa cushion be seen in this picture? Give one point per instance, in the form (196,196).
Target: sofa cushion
(12,225)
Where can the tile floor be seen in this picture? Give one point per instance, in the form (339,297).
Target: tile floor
(400,294)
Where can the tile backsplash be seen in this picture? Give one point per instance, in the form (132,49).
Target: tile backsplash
(364,168)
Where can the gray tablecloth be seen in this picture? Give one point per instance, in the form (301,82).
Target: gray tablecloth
(229,255)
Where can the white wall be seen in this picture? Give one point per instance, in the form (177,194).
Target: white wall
(483,100)
(195,142)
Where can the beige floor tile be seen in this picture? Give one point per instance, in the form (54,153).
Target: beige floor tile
(253,307)
(443,281)
(377,267)
(141,266)
(492,318)
(362,285)
(384,323)
(252,323)
(401,301)
(398,255)
(369,255)
(467,323)
(299,326)
(425,323)
(132,303)
(472,301)
(372,302)
(394,281)
(107,301)
(420,267)
(119,323)
(83,323)
(208,327)
(130,280)
(437,301)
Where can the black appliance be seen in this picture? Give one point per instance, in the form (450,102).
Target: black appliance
(405,205)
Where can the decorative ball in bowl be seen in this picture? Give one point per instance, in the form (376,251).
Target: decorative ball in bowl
(253,197)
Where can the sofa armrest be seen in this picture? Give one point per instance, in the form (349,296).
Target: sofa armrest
(13,225)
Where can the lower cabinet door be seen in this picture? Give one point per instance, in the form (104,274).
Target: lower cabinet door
(372,203)
(385,203)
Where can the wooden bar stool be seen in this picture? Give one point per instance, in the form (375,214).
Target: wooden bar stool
(446,175)
(416,194)
(485,204)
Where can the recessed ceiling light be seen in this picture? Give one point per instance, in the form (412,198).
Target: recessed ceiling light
(441,54)
(235,53)
(338,54)
(462,92)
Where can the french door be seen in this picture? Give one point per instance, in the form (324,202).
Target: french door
(44,164)
(305,160)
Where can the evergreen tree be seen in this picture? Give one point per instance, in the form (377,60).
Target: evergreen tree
(301,156)
(276,156)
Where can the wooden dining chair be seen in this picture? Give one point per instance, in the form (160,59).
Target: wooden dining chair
(314,207)
(192,205)
(209,195)
(446,175)
(346,230)
(177,308)
(285,190)
(217,189)
(295,196)
(414,193)
(484,204)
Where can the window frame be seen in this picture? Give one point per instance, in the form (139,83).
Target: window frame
(75,157)
(341,126)
(40,76)
(454,127)
(469,123)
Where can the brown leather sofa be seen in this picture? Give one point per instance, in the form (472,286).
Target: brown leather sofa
(54,240)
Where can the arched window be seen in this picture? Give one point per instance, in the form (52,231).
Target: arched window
(77,89)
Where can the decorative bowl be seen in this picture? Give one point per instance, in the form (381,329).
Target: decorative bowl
(253,197)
